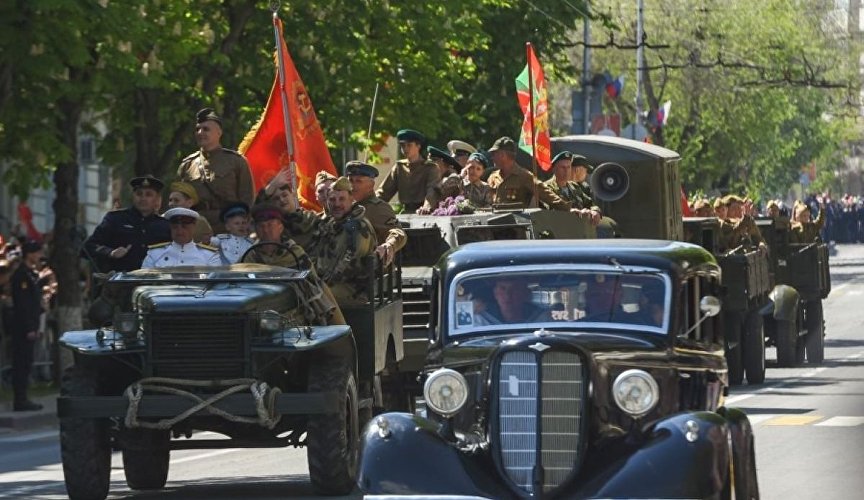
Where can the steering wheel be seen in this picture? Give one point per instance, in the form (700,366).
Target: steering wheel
(282,255)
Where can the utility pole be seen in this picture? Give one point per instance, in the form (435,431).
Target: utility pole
(640,47)
(586,70)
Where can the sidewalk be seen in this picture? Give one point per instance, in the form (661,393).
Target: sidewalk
(16,421)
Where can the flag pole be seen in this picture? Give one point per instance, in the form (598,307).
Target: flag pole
(371,121)
(289,136)
(535,201)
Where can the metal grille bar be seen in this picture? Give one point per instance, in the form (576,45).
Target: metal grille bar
(209,347)
(517,392)
(561,422)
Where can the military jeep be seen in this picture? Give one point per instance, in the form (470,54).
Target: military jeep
(569,369)
(242,351)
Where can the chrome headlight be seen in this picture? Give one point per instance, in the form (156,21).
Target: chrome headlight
(636,392)
(445,391)
(272,321)
(126,323)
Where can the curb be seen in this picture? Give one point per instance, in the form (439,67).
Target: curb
(14,421)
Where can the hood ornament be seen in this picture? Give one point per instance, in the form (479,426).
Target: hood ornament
(539,347)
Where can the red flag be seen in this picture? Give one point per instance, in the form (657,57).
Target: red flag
(535,129)
(685,206)
(25,215)
(266,147)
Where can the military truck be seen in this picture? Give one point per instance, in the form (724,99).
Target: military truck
(242,351)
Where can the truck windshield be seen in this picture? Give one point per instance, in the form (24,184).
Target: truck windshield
(555,298)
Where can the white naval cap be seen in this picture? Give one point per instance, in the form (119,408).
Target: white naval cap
(180,212)
(456,145)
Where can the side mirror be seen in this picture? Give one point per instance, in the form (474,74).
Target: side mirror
(709,305)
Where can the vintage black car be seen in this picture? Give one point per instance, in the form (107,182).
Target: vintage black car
(241,351)
(569,369)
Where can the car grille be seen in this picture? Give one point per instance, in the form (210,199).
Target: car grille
(204,348)
(541,407)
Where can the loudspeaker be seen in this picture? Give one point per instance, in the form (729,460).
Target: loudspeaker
(610,182)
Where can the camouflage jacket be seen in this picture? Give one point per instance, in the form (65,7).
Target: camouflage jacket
(578,194)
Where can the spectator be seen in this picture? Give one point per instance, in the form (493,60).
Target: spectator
(27,303)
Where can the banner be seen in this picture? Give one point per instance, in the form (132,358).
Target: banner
(534,138)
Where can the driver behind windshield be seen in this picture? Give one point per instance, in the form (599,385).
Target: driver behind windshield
(181,250)
(511,304)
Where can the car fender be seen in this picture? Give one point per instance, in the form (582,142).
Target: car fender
(683,456)
(785,301)
(304,338)
(404,454)
(101,342)
(743,454)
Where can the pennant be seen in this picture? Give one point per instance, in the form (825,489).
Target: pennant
(615,87)
(534,138)
(663,114)
(266,145)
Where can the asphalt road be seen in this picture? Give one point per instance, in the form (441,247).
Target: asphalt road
(809,425)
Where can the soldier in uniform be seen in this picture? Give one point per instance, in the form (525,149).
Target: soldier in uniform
(581,169)
(414,177)
(744,229)
(323,182)
(219,175)
(233,244)
(182,249)
(340,243)
(513,184)
(26,294)
(475,190)
(448,169)
(460,150)
(571,191)
(380,214)
(803,229)
(120,241)
(702,208)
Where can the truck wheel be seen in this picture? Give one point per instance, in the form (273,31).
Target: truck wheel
(333,440)
(754,349)
(787,343)
(146,461)
(85,445)
(815,340)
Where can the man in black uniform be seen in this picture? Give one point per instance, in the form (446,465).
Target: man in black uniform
(120,241)
(27,307)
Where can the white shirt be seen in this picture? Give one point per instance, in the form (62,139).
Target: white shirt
(231,247)
(175,254)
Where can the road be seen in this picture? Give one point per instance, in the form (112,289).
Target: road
(809,425)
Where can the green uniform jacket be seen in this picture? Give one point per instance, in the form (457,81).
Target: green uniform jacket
(518,187)
(220,177)
(383,219)
(416,183)
(807,232)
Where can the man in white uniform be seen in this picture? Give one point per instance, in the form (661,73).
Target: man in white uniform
(181,250)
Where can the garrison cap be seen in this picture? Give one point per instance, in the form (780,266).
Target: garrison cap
(360,168)
(147,181)
(208,114)
(180,212)
(30,246)
(266,211)
(341,184)
(718,202)
(459,148)
(410,135)
(581,161)
(563,155)
(442,155)
(323,176)
(772,204)
(480,157)
(504,144)
(233,210)
(185,188)
(700,204)
(733,198)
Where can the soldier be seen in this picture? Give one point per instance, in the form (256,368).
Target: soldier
(323,182)
(744,229)
(414,178)
(183,194)
(581,169)
(475,190)
(702,208)
(27,307)
(772,209)
(803,229)
(572,191)
(219,175)
(378,212)
(513,184)
(182,249)
(340,243)
(461,150)
(233,244)
(448,169)
(120,241)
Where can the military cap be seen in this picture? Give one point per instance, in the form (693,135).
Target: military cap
(563,155)
(147,181)
(185,188)
(581,161)
(323,176)
(341,184)
(478,156)
(718,202)
(700,204)
(459,148)
(266,211)
(410,135)
(30,246)
(732,198)
(360,168)
(504,144)
(772,204)
(233,210)
(208,114)
(180,212)
(441,154)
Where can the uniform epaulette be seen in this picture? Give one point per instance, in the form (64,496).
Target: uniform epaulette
(191,156)
(159,245)
(207,247)
(223,236)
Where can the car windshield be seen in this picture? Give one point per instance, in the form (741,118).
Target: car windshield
(614,297)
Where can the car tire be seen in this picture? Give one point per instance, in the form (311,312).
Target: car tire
(85,443)
(754,348)
(815,340)
(146,463)
(333,440)
(786,339)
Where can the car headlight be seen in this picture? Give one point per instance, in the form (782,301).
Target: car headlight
(445,391)
(272,321)
(636,392)
(126,323)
